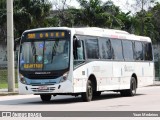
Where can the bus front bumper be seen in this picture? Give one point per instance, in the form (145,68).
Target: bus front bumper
(64,87)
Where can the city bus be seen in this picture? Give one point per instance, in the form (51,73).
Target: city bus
(83,61)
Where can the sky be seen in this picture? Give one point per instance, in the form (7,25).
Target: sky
(74,3)
(124,5)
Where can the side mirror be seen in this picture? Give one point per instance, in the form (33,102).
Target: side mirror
(16,43)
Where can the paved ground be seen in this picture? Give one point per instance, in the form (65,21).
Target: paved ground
(147,99)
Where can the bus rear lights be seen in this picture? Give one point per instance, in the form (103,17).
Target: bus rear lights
(64,77)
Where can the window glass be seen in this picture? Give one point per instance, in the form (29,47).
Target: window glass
(148,51)
(117,49)
(78,54)
(138,51)
(127,50)
(44,55)
(105,48)
(92,49)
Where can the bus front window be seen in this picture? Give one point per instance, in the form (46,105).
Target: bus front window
(44,55)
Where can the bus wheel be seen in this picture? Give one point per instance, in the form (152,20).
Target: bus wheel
(45,98)
(87,96)
(132,90)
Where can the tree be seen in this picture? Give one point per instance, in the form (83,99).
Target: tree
(62,13)
(141,6)
(98,14)
(27,14)
(3,27)
(30,14)
(127,21)
(155,17)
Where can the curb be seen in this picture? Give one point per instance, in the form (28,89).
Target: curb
(4,92)
(8,93)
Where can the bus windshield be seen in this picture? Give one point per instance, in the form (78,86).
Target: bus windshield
(44,55)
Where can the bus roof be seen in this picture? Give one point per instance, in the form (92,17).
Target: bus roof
(99,32)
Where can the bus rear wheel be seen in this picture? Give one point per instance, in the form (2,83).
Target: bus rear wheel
(87,96)
(132,90)
(45,98)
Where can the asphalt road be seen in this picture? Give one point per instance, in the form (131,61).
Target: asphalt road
(147,99)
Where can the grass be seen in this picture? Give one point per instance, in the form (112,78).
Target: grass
(3,79)
(5,85)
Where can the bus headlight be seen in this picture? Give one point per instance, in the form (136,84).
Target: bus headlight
(64,77)
(22,79)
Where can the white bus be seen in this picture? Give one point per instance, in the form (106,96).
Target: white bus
(83,61)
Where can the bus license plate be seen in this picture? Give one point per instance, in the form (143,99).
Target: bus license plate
(42,88)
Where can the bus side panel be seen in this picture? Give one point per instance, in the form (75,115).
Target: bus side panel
(80,79)
(145,73)
(115,77)
(104,75)
(128,68)
(112,75)
(102,71)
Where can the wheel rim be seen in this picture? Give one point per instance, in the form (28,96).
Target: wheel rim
(133,87)
(89,91)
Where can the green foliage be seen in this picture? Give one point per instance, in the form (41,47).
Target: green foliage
(155,13)
(30,14)
(97,14)
(3,79)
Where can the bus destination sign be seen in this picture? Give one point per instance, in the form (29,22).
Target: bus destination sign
(42,35)
(33,66)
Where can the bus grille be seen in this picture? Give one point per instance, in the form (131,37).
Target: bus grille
(49,89)
(40,84)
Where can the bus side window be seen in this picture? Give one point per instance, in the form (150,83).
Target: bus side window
(117,49)
(105,48)
(78,51)
(138,51)
(148,51)
(92,48)
(128,50)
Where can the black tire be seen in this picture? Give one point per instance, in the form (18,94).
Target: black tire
(88,95)
(132,90)
(45,98)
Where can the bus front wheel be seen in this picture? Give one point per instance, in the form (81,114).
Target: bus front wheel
(45,98)
(87,96)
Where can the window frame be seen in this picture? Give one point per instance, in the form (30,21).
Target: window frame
(92,38)
(132,49)
(144,51)
(134,44)
(100,39)
(115,59)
